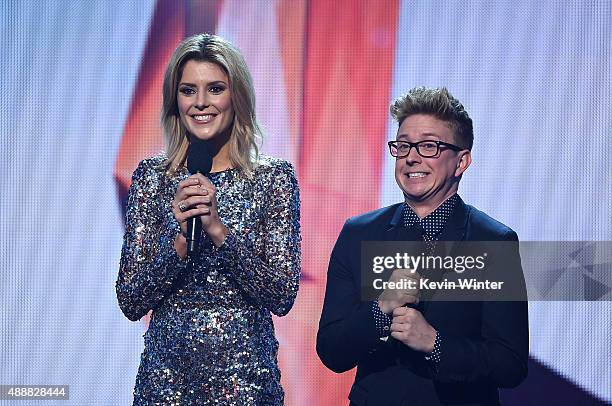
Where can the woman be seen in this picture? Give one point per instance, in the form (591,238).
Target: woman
(211,338)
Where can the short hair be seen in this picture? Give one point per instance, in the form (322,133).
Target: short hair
(246,133)
(439,103)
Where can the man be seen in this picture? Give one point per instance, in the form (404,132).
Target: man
(410,352)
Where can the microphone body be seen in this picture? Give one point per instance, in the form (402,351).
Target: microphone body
(194,233)
(199,160)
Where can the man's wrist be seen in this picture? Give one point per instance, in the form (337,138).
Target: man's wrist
(384,307)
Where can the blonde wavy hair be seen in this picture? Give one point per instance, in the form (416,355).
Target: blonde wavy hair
(246,133)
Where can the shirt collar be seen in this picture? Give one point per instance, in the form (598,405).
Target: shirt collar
(434,222)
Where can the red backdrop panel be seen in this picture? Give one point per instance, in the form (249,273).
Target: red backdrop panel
(348,72)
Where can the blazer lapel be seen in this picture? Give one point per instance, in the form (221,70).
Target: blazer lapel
(396,230)
(454,230)
(456,227)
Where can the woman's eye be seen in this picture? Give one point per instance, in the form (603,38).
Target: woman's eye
(186,90)
(217,89)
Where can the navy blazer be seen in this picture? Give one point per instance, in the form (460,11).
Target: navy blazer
(485,344)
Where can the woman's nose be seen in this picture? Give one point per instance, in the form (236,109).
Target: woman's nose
(202,101)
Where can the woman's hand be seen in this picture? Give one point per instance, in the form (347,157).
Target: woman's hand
(196,196)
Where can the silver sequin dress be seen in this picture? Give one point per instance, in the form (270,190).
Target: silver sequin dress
(211,339)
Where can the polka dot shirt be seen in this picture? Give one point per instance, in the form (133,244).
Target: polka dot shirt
(432,224)
(431,227)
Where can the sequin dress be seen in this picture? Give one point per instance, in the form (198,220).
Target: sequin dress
(211,339)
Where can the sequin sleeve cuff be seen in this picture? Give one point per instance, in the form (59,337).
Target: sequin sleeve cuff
(271,286)
(170,230)
(266,286)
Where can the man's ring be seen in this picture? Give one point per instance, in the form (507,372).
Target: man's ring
(182,206)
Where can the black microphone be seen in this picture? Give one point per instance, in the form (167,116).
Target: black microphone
(199,160)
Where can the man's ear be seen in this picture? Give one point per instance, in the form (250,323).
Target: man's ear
(465,160)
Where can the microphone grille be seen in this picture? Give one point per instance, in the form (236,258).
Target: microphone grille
(199,156)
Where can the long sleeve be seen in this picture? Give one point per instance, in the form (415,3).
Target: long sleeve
(497,353)
(347,329)
(272,279)
(149,264)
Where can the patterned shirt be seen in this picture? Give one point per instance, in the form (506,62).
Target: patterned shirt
(431,227)
(432,224)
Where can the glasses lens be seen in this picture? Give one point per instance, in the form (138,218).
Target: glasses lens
(393,149)
(427,148)
(403,149)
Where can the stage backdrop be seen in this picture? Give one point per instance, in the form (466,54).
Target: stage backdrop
(80,86)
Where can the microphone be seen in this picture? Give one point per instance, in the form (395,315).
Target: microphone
(199,160)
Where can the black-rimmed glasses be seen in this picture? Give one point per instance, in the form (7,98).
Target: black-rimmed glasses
(425,148)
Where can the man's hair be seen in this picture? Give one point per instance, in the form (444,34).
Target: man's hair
(439,103)
(246,132)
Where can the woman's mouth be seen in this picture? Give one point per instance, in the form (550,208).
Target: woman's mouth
(203,118)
